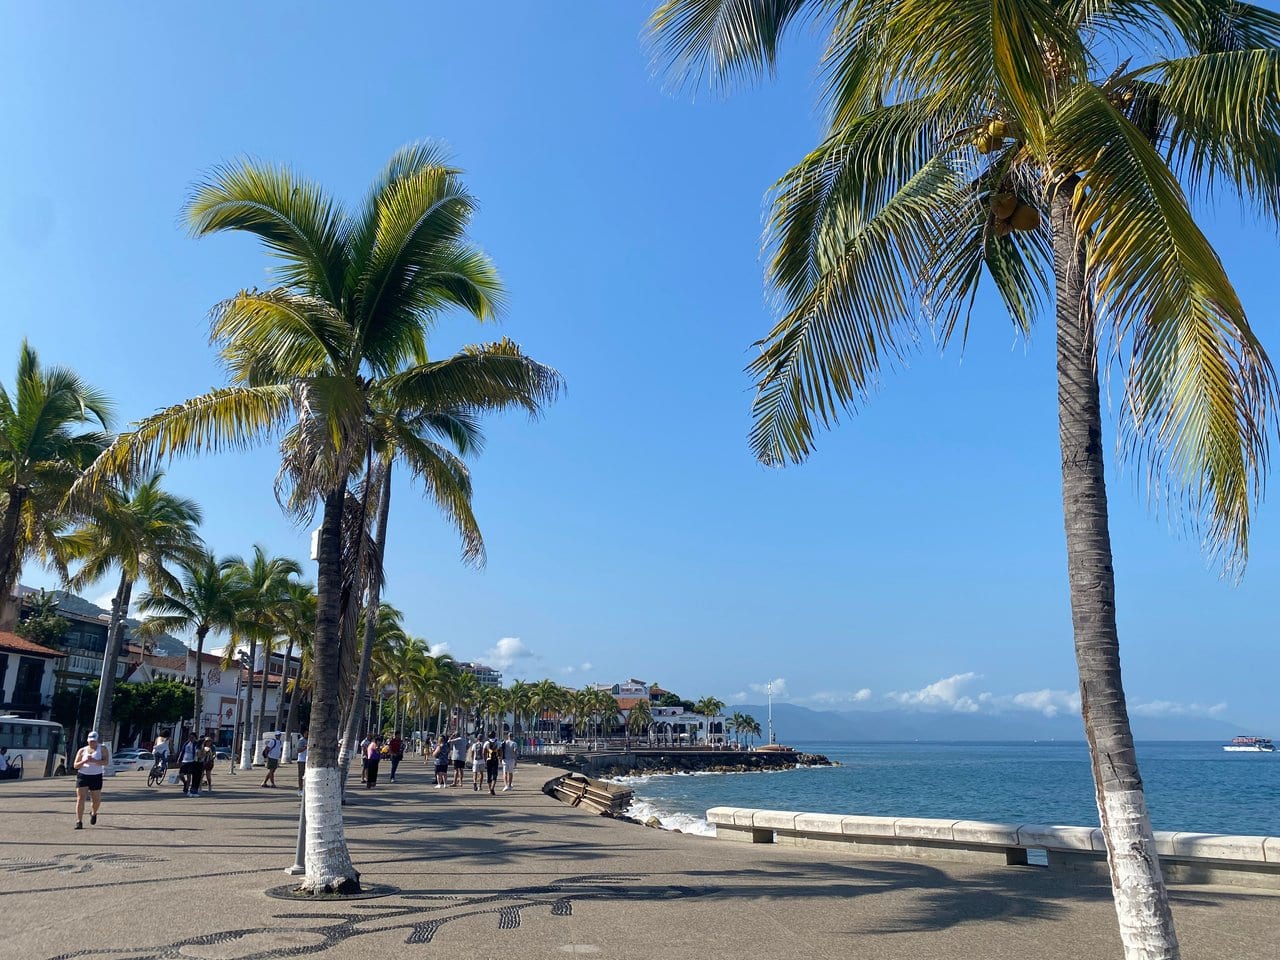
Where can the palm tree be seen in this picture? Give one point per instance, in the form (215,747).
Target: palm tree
(544,696)
(468,691)
(639,718)
(295,618)
(750,726)
(203,601)
(964,140)
(709,707)
(139,530)
(46,440)
(262,586)
(337,343)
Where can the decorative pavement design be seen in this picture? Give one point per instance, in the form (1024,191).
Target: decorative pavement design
(76,862)
(422,919)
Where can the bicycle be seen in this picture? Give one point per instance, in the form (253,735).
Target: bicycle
(158,770)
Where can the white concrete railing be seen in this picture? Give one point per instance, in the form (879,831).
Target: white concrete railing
(1184,857)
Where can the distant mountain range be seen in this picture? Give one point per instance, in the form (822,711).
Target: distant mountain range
(793,723)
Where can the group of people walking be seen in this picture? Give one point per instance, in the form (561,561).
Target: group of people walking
(449,755)
(488,758)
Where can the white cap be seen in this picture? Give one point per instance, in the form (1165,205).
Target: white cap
(93,735)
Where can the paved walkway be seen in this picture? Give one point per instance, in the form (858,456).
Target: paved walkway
(522,876)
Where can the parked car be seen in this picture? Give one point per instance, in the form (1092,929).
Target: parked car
(132,759)
(222,754)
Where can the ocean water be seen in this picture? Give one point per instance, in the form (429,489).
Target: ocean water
(1193,786)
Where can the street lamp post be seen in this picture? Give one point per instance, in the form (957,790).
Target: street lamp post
(769,686)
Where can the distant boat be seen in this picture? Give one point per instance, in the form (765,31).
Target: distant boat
(1250,745)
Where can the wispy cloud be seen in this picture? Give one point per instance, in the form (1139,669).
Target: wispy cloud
(779,688)
(1172,708)
(836,698)
(507,651)
(580,668)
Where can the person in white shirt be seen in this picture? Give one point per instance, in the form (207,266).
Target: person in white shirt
(302,760)
(271,753)
(509,751)
(90,763)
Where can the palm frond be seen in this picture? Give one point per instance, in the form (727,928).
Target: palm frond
(1199,387)
(267,336)
(490,376)
(1219,115)
(722,40)
(228,418)
(293,216)
(860,313)
(447,482)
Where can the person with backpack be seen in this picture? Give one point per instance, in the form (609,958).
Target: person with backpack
(192,772)
(492,758)
(271,753)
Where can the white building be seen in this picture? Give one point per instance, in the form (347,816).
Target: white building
(26,676)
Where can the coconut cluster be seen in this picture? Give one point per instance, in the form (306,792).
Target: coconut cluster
(1010,213)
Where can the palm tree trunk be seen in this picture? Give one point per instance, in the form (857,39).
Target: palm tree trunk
(328,862)
(282,723)
(201,632)
(1142,904)
(248,744)
(370,622)
(10,563)
(262,695)
(107,679)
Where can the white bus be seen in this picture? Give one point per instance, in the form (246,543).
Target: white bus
(36,748)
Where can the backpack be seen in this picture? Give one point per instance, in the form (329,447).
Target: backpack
(492,751)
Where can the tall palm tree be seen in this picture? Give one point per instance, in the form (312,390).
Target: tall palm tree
(545,696)
(141,531)
(262,586)
(203,601)
(47,437)
(340,338)
(1051,146)
(468,691)
(709,707)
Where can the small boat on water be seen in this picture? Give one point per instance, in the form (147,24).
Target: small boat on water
(1250,745)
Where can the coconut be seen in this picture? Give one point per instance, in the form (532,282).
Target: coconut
(985,143)
(1003,228)
(997,129)
(1003,205)
(1025,218)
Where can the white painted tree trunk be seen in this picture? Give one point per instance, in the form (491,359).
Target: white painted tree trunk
(247,744)
(329,866)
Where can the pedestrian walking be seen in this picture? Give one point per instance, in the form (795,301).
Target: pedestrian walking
(271,754)
(475,755)
(440,758)
(458,756)
(302,760)
(395,751)
(90,763)
(364,758)
(188,768)
(206,757)
(373,754)
(492,759)
(509,751)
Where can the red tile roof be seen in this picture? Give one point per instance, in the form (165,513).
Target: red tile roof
(16,644)
(626,703)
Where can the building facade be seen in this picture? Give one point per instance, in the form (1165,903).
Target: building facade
(26,676)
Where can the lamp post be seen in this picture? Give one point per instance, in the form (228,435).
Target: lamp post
(769,686)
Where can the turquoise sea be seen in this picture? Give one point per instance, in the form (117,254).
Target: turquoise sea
(1192,786)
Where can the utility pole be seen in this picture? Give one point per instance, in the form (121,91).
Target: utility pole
(769,686)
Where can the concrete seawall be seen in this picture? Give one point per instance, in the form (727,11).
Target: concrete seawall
(1238,861)
(616,764)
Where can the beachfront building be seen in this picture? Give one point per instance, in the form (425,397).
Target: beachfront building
(487,676)
(26,676)
(676,725)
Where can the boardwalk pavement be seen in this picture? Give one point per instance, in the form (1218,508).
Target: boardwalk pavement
(520,876)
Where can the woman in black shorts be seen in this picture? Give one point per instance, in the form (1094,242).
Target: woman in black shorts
(91,760)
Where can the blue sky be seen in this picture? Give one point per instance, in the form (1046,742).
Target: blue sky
(916,560)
